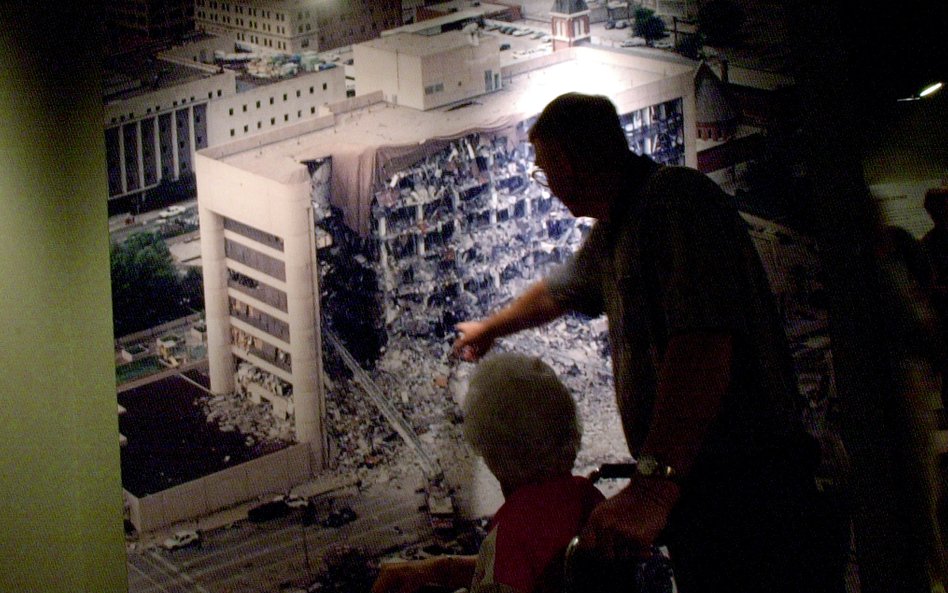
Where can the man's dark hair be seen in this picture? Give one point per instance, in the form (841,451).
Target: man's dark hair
(585,127)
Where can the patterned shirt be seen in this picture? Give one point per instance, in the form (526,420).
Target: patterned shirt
(674,258)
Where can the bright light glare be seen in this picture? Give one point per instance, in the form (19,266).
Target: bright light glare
(931,89)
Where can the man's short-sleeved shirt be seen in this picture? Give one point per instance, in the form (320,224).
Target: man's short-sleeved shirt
(677,258)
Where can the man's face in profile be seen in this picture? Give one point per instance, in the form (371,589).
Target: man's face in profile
(577,188)
(562,178)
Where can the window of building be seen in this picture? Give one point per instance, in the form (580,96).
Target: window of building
(232,131)
(273,121)
(297,92)
(258,104)
(312,110)
(286,117)
(230,111)
(312,90)
(271,100)
(299,113)
(259,125)
(284,96)
(246,129)
(325,86)
(245,108)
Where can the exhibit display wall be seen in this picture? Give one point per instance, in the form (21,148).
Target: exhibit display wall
(60,493)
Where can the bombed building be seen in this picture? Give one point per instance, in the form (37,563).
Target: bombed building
(386,224)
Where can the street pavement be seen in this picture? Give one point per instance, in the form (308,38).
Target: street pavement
(239,556)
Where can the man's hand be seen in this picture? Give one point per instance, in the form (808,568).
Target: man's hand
(405,577)
(475,341)
(626,525)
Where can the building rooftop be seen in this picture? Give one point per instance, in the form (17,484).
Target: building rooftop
(420,45)
(134,76)
(464,12)
(591,70)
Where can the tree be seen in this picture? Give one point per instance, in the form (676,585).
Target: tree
(720,21)
(648,25)
(146,290)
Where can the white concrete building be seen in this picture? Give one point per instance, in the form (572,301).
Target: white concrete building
(425,72)
(259,201)
(151,135)
(152,131)
(275,104)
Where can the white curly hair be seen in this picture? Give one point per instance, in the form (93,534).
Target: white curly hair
(521,419)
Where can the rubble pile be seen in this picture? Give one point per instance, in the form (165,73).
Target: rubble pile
(262,431)
(455,236)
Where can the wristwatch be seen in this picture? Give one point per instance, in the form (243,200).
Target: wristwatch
(650,467)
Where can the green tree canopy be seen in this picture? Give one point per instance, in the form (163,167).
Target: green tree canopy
(146,289)
(648,25)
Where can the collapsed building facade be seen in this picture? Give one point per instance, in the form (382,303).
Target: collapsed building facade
(385,223)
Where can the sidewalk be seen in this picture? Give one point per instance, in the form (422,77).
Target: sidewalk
(226,517)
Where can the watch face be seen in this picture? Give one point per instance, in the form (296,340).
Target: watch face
(646,465)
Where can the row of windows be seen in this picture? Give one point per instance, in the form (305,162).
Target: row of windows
(245,230)
(273,121)
(213,5)
(256,289)
(434,88)
(242,23)
(148,111)
(254,259)
(299,93)
(258,319)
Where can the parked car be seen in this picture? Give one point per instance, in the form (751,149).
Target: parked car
(665,43)
(610,24)
(504,46)
(293,501)
(268,511)
(182,539)
(339,517)
(634,42)
(622,24)
(171,211)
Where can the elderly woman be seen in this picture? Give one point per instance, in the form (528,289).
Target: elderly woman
(522,420)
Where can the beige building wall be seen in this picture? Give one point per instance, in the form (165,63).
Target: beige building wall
(409,73)
(274,105)
(396,74)
(283,209)
(462,72)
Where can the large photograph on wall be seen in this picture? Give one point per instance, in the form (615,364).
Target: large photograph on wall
(305,200)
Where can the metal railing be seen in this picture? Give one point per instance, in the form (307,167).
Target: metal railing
(429,466)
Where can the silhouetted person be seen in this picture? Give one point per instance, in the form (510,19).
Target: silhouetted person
(703,375)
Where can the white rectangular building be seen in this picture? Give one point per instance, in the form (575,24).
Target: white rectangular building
(425,72)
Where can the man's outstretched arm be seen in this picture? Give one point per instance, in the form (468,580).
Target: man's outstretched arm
(533,308)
